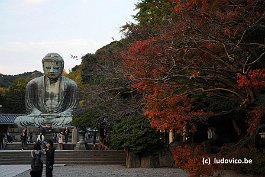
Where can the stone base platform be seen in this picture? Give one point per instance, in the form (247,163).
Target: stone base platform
(17,146)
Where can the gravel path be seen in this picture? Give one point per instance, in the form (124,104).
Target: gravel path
(120,171)
(110,171)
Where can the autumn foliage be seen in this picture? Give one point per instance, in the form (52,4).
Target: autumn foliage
(206,51)
(191,160)
(254,79)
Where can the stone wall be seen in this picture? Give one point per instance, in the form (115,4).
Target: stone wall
(161,158)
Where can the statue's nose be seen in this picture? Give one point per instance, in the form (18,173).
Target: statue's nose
(51,70)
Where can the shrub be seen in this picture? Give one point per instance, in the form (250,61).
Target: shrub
(135,134)
(190,158)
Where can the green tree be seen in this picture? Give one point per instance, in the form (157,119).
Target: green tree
(105,87)
(86,119)
(3,92)
(154,11)
(151,15)
(15,97)
(75,75)
(135,134)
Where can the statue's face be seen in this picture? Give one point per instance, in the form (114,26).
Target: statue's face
(53,69)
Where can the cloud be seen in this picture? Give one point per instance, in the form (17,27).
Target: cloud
(34,2)
(19,57)
(63,45)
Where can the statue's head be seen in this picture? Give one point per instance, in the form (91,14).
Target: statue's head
(53,65)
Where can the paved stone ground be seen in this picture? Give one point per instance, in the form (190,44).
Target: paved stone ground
(12,170)
(120,171)
(110,171)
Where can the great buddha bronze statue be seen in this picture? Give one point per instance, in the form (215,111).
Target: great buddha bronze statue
(50,99)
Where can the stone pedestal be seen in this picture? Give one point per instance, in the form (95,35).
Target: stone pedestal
(80,145)
(48,134)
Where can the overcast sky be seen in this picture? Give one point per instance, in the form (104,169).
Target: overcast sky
(32,28)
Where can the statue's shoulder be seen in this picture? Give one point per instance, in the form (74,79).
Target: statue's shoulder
(69,81)
(36,80)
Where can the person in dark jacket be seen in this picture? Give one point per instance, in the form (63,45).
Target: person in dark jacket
(36,161)
(23,138)
(66,134)
(2,136)
(49,158)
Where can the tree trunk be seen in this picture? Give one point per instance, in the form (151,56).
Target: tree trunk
(237,129)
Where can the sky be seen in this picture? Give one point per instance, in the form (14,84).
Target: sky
(32,28)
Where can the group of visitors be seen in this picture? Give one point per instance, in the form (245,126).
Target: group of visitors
(41,148)
(62,134)
(26,137)
(37,159)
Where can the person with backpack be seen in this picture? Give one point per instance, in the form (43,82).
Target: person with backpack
(49,158)
(36,161)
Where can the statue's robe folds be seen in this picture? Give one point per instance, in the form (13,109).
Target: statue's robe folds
(41,114)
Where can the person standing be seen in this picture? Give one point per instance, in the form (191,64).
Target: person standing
(54,136)
(30,137)
(5,141)
(23,138)
(49,158)
(9,137)
(60,140)
(2,136)
(36,161)
(66,134)
(211,133)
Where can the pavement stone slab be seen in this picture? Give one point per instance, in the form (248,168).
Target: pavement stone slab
(12,170)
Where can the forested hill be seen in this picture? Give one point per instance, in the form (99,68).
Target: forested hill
(6,80)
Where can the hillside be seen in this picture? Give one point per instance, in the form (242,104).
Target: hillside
(6,80)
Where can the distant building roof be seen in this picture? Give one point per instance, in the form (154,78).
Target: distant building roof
(8,118)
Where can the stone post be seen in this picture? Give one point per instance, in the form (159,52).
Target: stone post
(74,135)
(171,136)
(80,145)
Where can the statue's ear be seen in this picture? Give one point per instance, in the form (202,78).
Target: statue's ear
(62,64)
(43,64)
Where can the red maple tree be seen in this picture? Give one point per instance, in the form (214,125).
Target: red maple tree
(207,51)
